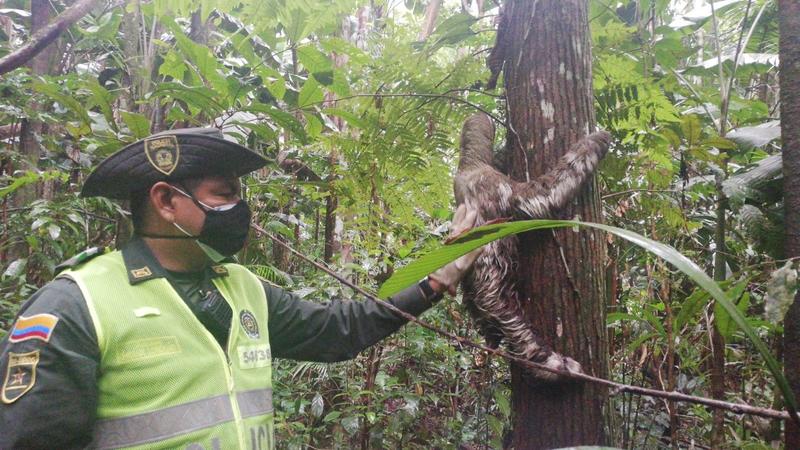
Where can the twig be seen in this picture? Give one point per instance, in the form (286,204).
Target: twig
(436,96)
(738,408)
(635,191)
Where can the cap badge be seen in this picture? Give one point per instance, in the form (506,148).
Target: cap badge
(249,323)
(163,153)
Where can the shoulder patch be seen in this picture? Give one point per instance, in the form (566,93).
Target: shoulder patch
(39,326)
(80,258)
(20,375)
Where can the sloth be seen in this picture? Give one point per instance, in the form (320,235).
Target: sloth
(490,291)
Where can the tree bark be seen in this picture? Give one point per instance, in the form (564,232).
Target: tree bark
(717,340)
(41,38)
(431,14)
(40,63)
(789,22)
(548,80)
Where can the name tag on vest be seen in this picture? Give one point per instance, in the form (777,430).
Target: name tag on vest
(254,356)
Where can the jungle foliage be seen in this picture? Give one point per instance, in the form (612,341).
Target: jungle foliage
(359,110)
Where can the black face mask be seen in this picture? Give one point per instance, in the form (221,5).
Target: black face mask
(225,227)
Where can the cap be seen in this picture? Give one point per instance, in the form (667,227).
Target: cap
(170,155)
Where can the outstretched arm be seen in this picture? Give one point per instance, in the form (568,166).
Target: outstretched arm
(539,198)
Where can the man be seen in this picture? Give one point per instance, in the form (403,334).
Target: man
(166,343)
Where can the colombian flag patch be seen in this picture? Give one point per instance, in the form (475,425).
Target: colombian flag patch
(39,327)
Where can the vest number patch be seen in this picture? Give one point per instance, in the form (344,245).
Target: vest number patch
(254,356)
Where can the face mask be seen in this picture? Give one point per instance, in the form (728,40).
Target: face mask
(224,230)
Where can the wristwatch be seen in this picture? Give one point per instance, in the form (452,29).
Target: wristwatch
(430,295)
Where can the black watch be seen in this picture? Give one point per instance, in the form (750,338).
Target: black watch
(428,292)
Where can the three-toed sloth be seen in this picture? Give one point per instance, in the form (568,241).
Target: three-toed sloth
(490,291)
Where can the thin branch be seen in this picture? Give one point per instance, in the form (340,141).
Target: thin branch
(436,96)
(694,92)
(636,191)
(615,388)
(45,36)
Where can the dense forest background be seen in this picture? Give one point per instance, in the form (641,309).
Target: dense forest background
(358,105)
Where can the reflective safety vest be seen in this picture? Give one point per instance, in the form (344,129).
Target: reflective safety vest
(164,380)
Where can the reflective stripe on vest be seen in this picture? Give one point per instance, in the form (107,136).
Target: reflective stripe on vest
(165,382)
(182,419)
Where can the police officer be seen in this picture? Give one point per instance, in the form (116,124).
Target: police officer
(166,343)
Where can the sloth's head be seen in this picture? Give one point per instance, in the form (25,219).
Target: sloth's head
(477,137)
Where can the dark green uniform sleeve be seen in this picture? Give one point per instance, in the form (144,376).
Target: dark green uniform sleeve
(334,331)
(59,409)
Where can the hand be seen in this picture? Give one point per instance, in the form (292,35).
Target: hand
(448,277)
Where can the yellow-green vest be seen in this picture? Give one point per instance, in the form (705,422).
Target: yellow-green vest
(164,380)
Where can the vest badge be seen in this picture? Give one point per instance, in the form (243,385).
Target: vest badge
(249,324)
(20,375)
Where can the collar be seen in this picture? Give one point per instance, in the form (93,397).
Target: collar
(141,265)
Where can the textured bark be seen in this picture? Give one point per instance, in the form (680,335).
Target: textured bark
(550,100)
(431,14)
(333,225)
(40,63)
(44,35)
(790,126)
(717,340)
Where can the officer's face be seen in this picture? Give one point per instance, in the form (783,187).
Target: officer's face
(211,191)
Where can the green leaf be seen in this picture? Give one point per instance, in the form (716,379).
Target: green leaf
(452,30)
(620,316)
(310,94)
(314,60)
(720,143)
(636,343)
(281,118)
(340,85)
(313,125)
(690,308)
(502,402)
(477,237)
(31,177)
(202,58)
(102,99)
(52,90)
(331,416)
(351,119)
(137,123)
(199,98)
(722,319)
(173,66)
(691,129)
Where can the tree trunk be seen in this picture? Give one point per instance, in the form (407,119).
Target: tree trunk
(789,22)
(41,63)
(717,340)
(431,14)
(548,80)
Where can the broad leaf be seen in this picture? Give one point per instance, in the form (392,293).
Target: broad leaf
(477,237)
(314,60)
(310,94)
(137,123)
